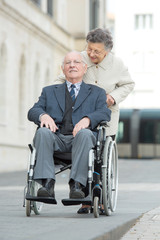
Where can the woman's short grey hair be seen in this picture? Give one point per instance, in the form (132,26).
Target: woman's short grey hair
(100,35)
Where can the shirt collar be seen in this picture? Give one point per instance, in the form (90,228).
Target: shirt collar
(77,85)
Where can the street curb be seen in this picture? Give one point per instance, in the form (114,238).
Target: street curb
(117,233)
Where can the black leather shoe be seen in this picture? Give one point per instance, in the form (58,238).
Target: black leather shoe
(76,190)
(84,210)
(48,188)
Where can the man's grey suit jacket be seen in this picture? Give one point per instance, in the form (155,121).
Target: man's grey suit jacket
(90,102)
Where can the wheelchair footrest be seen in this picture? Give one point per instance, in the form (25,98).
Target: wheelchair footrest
(69,201)
(48,200)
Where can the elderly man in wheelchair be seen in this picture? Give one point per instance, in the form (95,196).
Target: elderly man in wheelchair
(68,115)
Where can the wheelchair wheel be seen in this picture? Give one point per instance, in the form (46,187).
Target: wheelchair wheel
(34,206)
(28,208)
(110,176)
(96,207)
(113,177)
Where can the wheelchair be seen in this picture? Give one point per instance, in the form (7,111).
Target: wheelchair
(102,178)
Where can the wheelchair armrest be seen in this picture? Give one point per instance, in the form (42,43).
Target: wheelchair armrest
(103,124)
(102,131)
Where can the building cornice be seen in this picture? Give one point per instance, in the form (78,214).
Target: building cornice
(65,42)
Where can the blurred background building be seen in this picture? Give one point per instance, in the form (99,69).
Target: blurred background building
(137,38)
(36,34)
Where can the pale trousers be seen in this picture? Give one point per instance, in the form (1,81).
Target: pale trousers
(46,142)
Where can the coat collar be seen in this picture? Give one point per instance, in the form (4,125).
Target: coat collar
(60,94)
(82,95)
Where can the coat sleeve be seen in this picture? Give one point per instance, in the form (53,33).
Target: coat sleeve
(38,109)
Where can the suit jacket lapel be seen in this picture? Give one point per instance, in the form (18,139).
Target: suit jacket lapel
(83,93)
(60,95)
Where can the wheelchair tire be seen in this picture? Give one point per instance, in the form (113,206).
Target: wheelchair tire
(96,207)
(36,206)
(109,176)
(113,177)
(28,208)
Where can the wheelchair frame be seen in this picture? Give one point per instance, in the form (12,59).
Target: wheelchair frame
(102,179)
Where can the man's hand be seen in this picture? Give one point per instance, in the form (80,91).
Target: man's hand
(48,122)
(110,100)
(83,123)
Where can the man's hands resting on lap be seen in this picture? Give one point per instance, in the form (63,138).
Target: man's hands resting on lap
(49,123)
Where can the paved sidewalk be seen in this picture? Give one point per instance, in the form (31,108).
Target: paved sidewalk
(146,228)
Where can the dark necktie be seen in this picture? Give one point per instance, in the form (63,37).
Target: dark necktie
(72,92)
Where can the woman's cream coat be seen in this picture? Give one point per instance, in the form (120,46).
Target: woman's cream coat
(113,76)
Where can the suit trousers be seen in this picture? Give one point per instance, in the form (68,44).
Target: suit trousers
(46,142)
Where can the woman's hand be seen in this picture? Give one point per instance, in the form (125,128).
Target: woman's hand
(110,100)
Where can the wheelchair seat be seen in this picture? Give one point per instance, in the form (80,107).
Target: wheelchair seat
(63,159)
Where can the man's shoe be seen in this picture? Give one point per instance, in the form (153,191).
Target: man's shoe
(76,191)
(84,210)
(48,188)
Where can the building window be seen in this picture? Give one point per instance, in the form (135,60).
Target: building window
(22,92)
(36,87)
(143,21)
(94,14)
(50,7)
(123,134)
(158,132)
(143,61)
(37,2)
(149,131)
(3,62)
(47,77)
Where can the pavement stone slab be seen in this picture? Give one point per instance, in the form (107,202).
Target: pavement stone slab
(145,228)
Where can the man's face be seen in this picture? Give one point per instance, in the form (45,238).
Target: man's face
(74,68)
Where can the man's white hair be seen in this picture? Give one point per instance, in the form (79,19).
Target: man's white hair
(74,51)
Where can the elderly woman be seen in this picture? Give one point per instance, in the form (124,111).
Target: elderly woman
(107,71)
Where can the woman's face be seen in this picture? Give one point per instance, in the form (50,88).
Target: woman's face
(96,52)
